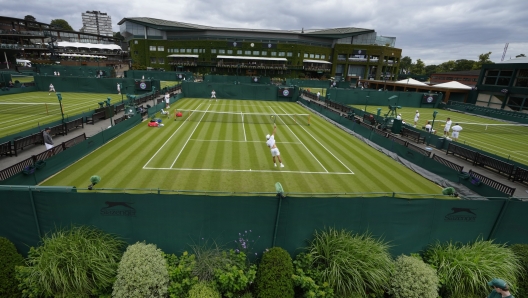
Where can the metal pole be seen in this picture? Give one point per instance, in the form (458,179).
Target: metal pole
(366,103)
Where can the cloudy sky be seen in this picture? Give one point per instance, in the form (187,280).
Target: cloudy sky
(431,30)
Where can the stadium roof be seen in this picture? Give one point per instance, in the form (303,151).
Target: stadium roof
(461,73)
(516,60)
(177,26)
(316,61)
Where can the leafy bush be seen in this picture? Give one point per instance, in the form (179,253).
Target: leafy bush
(142,272)
(9,259)
(465,269)
(412,278)
(78,262)
(234,278)
(274,275)
(204,290)
(308,280)
(209,258)
(521,251)
(180,274)
(355,265)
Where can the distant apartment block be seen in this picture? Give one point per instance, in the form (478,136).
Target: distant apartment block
(97,22)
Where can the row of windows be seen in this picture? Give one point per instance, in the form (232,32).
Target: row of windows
(238,52)
(504,78)
(154,60)
(314,56)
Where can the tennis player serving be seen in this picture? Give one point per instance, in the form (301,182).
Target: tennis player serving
(274,150)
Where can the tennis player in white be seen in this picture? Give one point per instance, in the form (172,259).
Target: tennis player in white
(213,95)
(416,118)
(51,89)
(456,132)
(274,150)
(447,126)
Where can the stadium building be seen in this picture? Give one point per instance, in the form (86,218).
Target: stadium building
(343,53)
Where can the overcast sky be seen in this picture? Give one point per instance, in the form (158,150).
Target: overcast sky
(431,30)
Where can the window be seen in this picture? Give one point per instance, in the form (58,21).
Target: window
(305,55)
(152,48)
(264,53)
(161,61)
(161,48)
(522,78)
(230,52)
(153,60)
(189,51)
(498,77)
(135,42)
(282,54)
(221,51)
(213,51)
(273,54)
(182,51)
(176,50)
(317,56)
(256,53)
(323,56)
(195,51)
(247,53)
(289,54)
(239,52)
(312,55)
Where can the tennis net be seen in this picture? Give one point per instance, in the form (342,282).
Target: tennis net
(500,128)
(30,108)
(241,117)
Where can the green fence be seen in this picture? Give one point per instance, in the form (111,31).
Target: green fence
(237,91)
(75,71)
(159,75)
(238,79)
(512,116)
(175,221)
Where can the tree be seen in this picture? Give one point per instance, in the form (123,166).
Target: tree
(520,55)
(483,59)
(118,36)
(464,64)
(418,67)
(430,69)
(405,64)
(61,24)
(30,18)
(447,66)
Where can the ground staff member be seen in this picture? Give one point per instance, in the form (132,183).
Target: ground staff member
(500,289)
(48,141)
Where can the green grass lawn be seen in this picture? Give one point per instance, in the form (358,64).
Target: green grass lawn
(506,141)
(208,155)
(17,117)
(164,84)
(22,79)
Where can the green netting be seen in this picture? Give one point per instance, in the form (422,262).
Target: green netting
(75,71)
(238,79)
(238,91)
(159,75)
(79,84)
(308,83)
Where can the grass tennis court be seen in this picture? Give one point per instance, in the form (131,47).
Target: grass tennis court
(228,155)
(22,79)
(503,140)
(23,111)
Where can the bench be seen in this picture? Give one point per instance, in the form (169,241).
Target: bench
(492,183)
(397,140)
(422,151)
(96,116)
(411,134)
(495,164)
(73,124)
(21,143)
(5,149)
(119,107)
(120,119)
(520,175)
(462,152)
(448,163)
(57,130)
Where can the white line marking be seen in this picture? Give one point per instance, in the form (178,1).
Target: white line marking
(243,126)
(322,145)
(238,141)
(253,171)
(300,141)
(165,143)
(184,145)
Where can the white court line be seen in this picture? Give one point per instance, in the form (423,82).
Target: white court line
(243,127)
(238,141)
(250,171)
(322,145)
(300,141)
(145,166)
(184,145)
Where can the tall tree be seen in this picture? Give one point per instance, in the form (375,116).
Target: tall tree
(483,59)
(430,69)
(464,64)
(118,35)
(62,24)
(447,66)
(30,18)
(418,68)
(405,64)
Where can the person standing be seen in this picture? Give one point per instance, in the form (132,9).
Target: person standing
(399,117)
(456,131)
(500,289)
(270,142)
(51,89)
(48,141)
(447,126)
(416,118)
(167,100)
(318,95)
(213,94)
(118,88)
(429,128)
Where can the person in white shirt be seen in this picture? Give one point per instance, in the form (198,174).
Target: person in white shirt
(399,117)
(118,88)
(213,95)
(318,94)
(429,127)
(51,89)
(447,126)
(416,118)
(270,142)
(456,130)
(54,73)
(167,100)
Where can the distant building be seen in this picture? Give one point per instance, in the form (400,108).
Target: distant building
(466,77)
(97,22)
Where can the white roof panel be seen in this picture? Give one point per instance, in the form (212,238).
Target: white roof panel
(182,56)
(316,61)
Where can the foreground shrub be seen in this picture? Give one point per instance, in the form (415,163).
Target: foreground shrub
(234,278)
(355,265)
(308,280)
(9,259)
(412,278)
(465,269)
(77,262)
(181,278)
(204,290)
(274,275)
(142,272)
(521,251)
